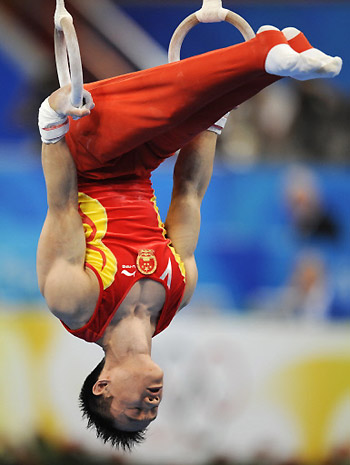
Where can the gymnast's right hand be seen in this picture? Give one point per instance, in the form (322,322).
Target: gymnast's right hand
(60,102)
(54,111)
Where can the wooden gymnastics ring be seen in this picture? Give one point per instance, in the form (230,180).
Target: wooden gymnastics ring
(211,12)
(67,54)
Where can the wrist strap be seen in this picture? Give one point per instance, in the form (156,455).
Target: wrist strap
(52,126)
(219,125)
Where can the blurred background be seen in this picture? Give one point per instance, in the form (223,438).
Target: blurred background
(258,366)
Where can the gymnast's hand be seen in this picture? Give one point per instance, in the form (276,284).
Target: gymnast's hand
(60,102)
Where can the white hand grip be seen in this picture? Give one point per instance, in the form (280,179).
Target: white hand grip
(67,54)
(192,20)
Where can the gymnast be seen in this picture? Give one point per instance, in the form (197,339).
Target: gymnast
(108,267)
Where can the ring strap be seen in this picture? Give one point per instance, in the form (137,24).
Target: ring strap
(192,20)
(67,54)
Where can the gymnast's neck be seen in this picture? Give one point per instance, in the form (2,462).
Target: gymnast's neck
(135,321)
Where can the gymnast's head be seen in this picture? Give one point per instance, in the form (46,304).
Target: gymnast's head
(121,400)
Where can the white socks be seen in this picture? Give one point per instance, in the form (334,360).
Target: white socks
(282,60)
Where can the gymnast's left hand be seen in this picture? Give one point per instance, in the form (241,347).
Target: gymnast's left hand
(60,101)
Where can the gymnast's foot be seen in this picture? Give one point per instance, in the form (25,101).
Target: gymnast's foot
(310,56)
(298,59)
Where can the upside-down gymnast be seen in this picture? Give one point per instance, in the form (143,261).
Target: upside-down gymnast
(107,266)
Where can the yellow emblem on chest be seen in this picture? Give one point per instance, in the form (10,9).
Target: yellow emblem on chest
(146,261)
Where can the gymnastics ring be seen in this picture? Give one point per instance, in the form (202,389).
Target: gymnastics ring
(211,12)
(67,54)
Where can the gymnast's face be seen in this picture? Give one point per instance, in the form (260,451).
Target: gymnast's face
(136,391)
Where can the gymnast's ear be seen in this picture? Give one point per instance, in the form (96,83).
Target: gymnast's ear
(100,387)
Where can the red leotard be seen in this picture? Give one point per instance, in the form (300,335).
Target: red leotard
(125,242)
(139,120)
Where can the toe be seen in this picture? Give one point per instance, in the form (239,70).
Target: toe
(267,28)
(290,32)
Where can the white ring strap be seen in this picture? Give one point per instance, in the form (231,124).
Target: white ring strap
(67,54)
(211,12)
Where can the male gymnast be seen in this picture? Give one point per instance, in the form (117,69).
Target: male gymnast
(107,266)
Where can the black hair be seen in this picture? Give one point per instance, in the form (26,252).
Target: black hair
(96,409)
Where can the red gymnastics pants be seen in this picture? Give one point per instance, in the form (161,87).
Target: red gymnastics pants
(142,118)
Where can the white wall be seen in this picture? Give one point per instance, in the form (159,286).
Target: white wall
(231,387)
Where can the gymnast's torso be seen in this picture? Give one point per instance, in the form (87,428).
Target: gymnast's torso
(129,253)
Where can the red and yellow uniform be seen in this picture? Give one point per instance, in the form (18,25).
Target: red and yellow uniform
(125,242)
(139,120)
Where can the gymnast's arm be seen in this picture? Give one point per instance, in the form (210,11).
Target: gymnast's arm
(69,289)
(192,174)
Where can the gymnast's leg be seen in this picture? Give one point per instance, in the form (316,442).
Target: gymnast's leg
(131,110)
(172,140)
(175,138)
(134,109)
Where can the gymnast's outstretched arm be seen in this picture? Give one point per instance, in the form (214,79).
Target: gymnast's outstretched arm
(67,287)
(192,174)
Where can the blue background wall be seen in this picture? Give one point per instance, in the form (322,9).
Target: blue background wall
(13,87)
